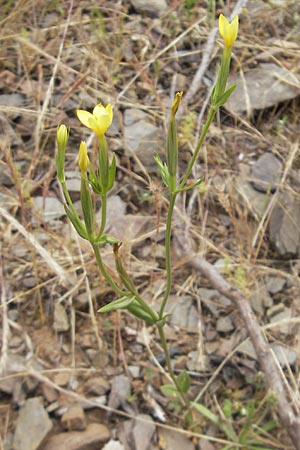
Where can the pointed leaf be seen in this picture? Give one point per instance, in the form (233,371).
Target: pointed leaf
(76,222)
(184,381)
(120,303)
(223,99)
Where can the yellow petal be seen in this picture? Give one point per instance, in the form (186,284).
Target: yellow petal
(228,30)
(84,117)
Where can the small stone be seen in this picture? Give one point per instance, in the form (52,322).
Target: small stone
(275,284)
(266,173)
(98,359)
(50,208)
(224,324)
(134,371)
(152,9)
(286,314)
(285,356)
(120,392)
(33,425)
(92,438)
(61,320)
(49,393)
(183,313)
(284,225)
(96,386)
(74,418)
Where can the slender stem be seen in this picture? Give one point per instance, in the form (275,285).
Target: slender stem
(68,198)
(209,120)
(165,347)
(104,271)
(168,253)
(103,214)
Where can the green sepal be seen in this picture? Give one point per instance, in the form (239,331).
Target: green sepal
(95,182)
(184,381)
(112,173)
(120,303)
(87,205)
(137,310)
(223,99)
(169,390)
(76,222)
(163,169)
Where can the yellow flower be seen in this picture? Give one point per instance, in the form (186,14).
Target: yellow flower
(83,159)
(99,121)
(228,30)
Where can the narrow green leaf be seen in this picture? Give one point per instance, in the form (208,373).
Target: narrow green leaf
(120,303)
(76,222)
(137,310)
(223,99)
(184,381)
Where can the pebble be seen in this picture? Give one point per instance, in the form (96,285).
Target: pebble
(93,437)
(32,416)
(74,418)
(266,173)
(285,356)
(154,8)
(96,386)
(61,321)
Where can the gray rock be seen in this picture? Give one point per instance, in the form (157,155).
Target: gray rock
(285,356)
(261,299)
(284,225)
(275,284)
(120,391)
(266,173)
(143,138)
(92,438)
(256,201)
(248,349)
(153,8)
(61,320)
(183,313)
(262,87)
(224,324)
(286,314)
(33,425)
(213,300)
(50,208)
(137,433)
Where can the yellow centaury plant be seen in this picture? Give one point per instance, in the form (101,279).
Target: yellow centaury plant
(100,178)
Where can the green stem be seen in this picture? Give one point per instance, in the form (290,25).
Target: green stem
(165,347)
(168,253)
(68,198)
(103,215)
(209,120)
(104,271)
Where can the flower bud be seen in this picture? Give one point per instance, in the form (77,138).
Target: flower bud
(83,159)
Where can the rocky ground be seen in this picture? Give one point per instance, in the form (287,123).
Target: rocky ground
(71,377)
